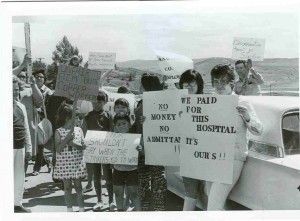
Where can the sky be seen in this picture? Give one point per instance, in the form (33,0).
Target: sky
(198,35)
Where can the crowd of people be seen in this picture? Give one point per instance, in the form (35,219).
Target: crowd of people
(144,186)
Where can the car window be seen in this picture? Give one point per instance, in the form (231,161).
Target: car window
(263,148)
(290,133)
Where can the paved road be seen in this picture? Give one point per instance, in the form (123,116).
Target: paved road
(45,196)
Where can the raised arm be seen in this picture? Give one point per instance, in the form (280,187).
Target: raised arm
(26,60)
(250,118)
(104,76)
(256,76)
(37,95)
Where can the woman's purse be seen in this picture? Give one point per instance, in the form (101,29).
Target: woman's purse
(44,130)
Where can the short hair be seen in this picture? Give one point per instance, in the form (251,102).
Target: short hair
(151,82)
(221,70)
(241,62)
(123,102)
(71,60)
(189,76)
(40,71)
(123,90)
(22,72)
(20,83)
(121,117)
(102,96)
(64,113)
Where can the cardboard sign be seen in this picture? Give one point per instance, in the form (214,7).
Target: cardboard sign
(28,47)
(161,132)
(18,55)
(208,126)
(77,82)
(248,48)
(102,60)
(112,97)
(111,148)
(173,65)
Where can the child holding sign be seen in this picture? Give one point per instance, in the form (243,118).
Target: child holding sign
(121,106)
(99,119)
(223,82)
(125,174)
(69,146)
(192,81)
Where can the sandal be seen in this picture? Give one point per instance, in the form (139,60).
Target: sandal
(35,173)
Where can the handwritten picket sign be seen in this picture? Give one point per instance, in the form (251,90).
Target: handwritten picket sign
(173,65)
(102,60)
(248,48)
(28,46)
(208,129)
(111,148)
(161,132)
(77,82)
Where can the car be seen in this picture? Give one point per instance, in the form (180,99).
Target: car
(270,179)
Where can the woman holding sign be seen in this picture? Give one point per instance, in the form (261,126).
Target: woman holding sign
(192,81)
(222,76)
(152,181)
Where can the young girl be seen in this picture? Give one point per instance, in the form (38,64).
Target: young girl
(121,106)
(69,146)
(192,81)
(125,175)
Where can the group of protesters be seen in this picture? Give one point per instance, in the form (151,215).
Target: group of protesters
(144,186)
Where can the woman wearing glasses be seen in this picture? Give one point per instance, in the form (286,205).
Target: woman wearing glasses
(192,81)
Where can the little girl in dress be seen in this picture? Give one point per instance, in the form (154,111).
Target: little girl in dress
(69,167)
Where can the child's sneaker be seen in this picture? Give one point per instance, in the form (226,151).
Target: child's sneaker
(113,207)
(87,189)
(98,206)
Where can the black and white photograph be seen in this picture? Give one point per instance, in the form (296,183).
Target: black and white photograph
(154,109)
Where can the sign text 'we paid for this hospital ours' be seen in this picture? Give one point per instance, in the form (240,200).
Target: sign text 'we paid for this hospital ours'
(77,82)
(111,148)
(208,136)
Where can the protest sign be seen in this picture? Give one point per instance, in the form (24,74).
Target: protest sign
(112,97)
(28,46)
(208,126)
(160,129)
(18,55)
(77,82)
(173,65)
(248,48)
(102,60)
(111,148)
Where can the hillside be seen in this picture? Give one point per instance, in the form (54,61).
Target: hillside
(280,73)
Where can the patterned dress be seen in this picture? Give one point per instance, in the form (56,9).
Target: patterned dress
(69,163)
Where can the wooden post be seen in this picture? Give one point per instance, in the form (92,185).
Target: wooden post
(28,46)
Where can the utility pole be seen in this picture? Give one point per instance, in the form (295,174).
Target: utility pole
(40,59)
